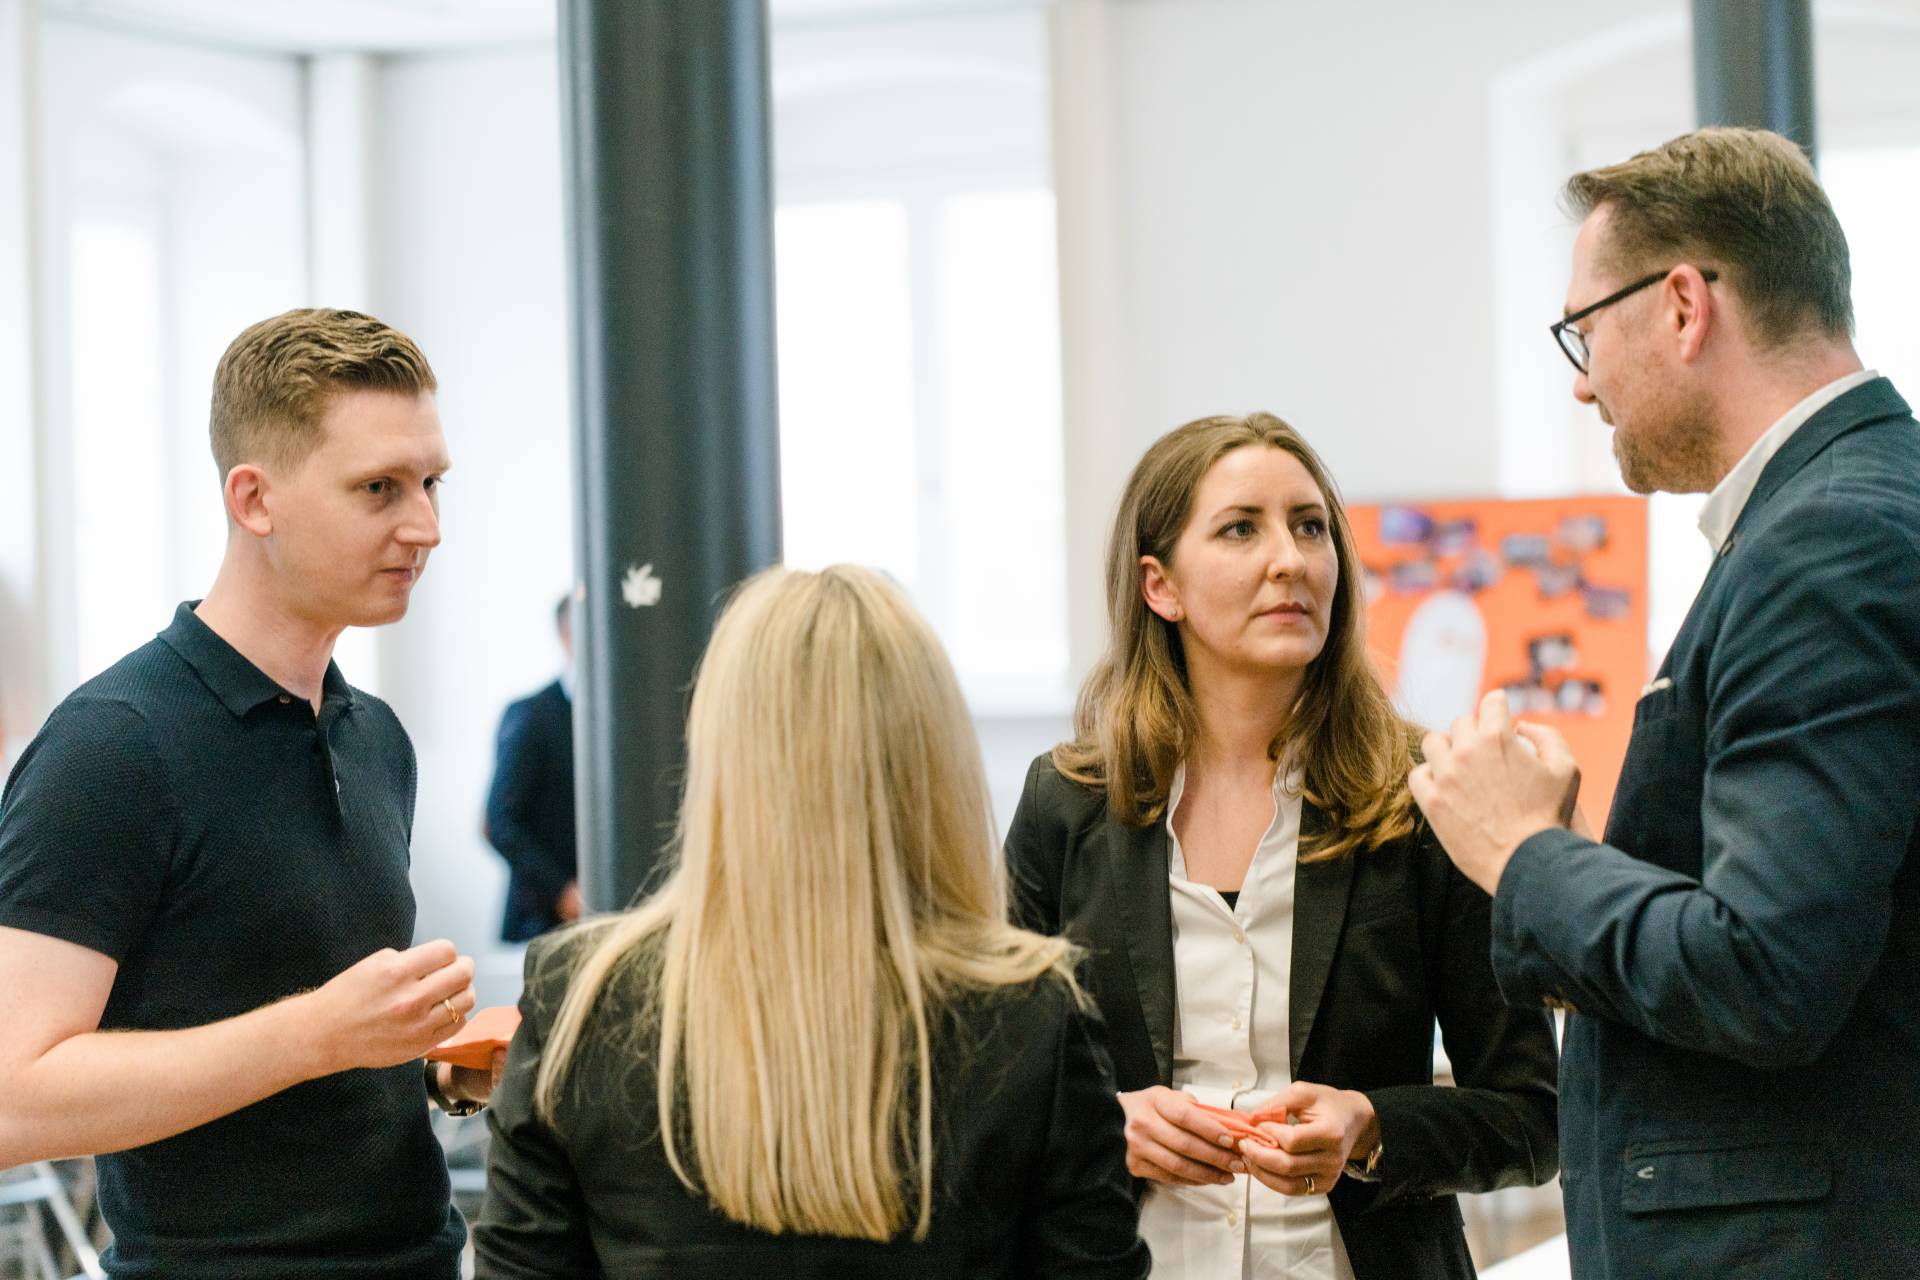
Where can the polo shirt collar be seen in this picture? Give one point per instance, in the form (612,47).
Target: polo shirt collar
(238,684)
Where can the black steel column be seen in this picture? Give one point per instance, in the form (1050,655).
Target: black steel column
(676,469)
(1753,65)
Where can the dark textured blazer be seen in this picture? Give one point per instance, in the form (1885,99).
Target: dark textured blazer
(1029,1179)
(1741,1089)
(530,814)
(1383,943)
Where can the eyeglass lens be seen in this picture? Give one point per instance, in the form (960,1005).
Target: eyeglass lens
(1574,343)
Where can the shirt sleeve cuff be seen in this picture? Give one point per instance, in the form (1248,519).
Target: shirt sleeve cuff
(1525,890)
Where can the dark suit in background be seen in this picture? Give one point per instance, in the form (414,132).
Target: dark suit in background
(530,813)
(1030,1179)
(1741,1088)
(1383,942)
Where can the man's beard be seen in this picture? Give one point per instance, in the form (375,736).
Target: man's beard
(1683,457)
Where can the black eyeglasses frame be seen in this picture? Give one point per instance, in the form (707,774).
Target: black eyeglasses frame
(1563,327)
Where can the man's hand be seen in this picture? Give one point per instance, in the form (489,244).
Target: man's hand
(391,1007)
(1489,784)
(467,1084)
(1170,1139)
(1331,1125)
(568,906)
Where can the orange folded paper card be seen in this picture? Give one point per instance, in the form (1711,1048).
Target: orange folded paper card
(1243,1124)
(473,1045)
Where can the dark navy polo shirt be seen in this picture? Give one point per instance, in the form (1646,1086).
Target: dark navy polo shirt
(188,817)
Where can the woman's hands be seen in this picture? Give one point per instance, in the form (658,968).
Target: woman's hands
(1331,1127)
(1170,1139)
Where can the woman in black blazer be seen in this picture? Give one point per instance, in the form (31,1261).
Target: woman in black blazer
(820,1051)
(1268,924)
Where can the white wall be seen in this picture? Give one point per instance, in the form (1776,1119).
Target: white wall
(1303,199)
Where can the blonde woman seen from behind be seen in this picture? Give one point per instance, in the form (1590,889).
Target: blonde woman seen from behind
(820,1049)
(1271,929)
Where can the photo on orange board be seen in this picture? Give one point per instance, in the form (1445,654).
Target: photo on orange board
(1545,598)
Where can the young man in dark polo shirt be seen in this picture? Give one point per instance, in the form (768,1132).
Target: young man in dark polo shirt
(206,969)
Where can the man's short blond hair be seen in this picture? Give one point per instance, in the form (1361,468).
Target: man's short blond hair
(276,380)
(1744,202)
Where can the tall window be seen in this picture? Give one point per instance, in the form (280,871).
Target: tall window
(173,216)
(121,510)
(1875,190)
(919,335)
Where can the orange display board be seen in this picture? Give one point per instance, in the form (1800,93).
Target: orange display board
(1546,598)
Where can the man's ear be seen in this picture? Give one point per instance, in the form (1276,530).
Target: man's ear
(246,496)
(1158,589)
(1692,309)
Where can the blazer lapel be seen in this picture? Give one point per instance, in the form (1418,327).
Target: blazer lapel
(1320,891)
(1144,907)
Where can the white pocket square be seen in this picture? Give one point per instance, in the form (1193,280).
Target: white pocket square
(1664,682)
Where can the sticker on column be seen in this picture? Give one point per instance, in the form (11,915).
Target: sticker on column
(640,588)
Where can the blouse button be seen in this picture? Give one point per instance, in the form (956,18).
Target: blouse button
(1239,937)
(1236,1022)
(1233,1218)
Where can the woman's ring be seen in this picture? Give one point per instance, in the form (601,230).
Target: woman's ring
(453,1020)
(1309,1184)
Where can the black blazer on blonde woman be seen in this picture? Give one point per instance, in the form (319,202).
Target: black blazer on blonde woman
(1384,942)
(1030,1179)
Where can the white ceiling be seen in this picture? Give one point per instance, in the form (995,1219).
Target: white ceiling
(398,26)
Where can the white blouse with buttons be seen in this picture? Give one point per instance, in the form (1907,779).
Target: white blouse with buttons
(1232,974)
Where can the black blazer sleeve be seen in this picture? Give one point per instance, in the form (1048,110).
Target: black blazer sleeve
(1033,850)
(1812,763)
(534,1221)
(1497,1127)
(1084,1224)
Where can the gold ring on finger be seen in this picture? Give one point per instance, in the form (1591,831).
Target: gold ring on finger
(453,1014)
(1309,1184)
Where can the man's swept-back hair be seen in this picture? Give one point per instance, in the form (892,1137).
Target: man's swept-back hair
(274,383)
(1744,202)
(839,883)
(1136,719)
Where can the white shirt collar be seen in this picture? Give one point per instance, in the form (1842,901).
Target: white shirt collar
(1729,497)
(1288,785)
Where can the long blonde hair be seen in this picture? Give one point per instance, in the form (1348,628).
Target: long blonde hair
(1136,721)
(838,880)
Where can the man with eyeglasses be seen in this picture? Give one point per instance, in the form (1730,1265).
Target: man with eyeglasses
(1740,957)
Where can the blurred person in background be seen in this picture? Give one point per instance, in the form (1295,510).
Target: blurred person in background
(530,806)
